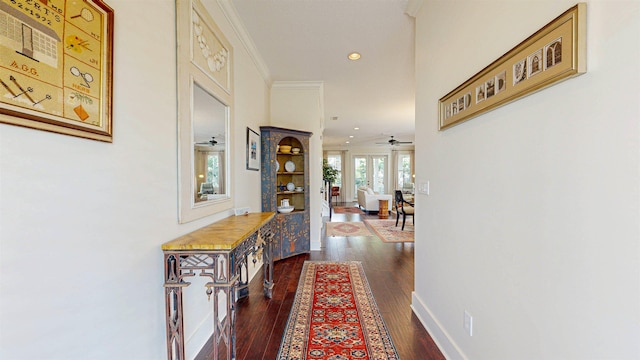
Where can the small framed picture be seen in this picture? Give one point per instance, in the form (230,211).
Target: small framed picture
(553,53)
(535,63)
(480,95)
(501,82)
(491,87)
(519,71)
(253,150)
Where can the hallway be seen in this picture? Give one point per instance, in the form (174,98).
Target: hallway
(390,271)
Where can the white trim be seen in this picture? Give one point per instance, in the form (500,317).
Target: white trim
(232,16)
(438,333)
(197,340)
(298,85)
(316,246)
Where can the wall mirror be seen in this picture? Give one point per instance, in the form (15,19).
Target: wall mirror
(205,100)
(210,126)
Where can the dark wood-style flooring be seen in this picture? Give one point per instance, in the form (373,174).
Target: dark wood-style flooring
(389,269)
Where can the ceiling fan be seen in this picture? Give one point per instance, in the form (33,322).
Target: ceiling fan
(212,142)
(393,141)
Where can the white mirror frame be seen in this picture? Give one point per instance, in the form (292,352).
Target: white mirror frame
(211,68)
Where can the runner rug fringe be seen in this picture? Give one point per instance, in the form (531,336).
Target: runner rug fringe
(334,316)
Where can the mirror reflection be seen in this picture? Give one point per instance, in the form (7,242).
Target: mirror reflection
(209,134)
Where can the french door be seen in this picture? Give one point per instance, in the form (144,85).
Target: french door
(370,171)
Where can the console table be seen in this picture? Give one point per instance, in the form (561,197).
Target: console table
(219,251)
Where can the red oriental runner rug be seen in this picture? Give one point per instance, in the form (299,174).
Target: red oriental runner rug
(335,317)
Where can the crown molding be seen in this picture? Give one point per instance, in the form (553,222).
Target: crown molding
(319,85)
(413,6)
(232,16)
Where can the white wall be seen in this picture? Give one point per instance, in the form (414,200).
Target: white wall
(81,222)
(532,222)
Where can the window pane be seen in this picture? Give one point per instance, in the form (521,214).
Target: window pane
(405,179)
(335,161)
(379,174)
(360,166)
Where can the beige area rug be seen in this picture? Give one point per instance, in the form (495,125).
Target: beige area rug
(387,230)
(356,228)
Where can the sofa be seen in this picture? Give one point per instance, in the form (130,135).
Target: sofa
(368,200)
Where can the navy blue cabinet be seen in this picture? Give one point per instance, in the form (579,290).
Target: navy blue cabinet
(285,188)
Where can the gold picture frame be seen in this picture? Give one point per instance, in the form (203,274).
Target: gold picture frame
(554,53)
(56,67)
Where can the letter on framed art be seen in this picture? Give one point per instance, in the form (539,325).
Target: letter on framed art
(56,66)
(554,53)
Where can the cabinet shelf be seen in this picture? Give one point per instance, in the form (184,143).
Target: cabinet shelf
(296,211)
(289,192)
(291,173)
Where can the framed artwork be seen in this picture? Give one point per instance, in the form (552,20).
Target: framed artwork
(56,67)
(554,53)
(253,150)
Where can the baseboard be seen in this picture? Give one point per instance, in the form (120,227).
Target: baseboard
(445,343)
(316,246)
(194,344)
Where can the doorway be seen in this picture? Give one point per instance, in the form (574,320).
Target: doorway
(370,171)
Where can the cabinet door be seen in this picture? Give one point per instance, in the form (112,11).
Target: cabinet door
(294,233)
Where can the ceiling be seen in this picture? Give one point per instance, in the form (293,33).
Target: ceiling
(309,40)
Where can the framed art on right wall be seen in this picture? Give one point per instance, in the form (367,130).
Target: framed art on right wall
(554,53)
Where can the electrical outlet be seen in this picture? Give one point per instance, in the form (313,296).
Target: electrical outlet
(468,323)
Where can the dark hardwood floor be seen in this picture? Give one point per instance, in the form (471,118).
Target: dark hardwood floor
(389,269)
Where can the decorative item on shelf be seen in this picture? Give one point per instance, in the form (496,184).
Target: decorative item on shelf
(284,203)
(285,149)
(285,209)
(281,187)
(291,186)
(277,166)
(299,188)
(290,166)
(277,148)
(295,150)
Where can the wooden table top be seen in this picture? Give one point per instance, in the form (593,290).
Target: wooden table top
(225,234)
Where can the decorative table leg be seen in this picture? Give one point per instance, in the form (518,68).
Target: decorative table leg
(267,263)
(243,273)
(224,318)
(173,304)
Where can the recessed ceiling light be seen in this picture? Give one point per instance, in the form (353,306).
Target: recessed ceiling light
(350,136)
(346,142)
(354,56)
(356,128)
